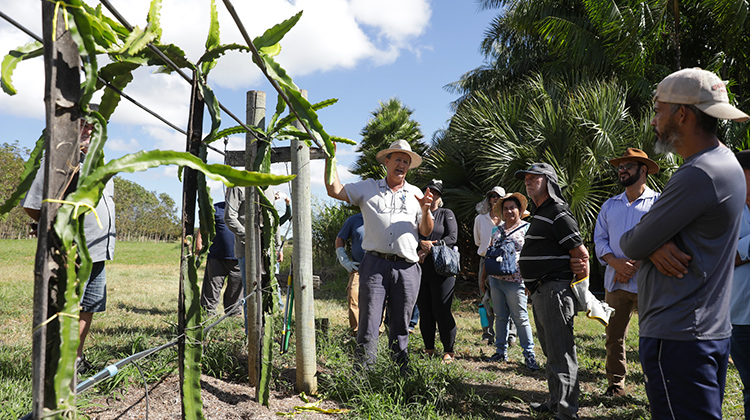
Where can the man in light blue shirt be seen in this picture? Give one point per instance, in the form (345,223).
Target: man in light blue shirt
(618,215)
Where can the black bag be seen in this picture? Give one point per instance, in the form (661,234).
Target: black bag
(447,261)
(500,259)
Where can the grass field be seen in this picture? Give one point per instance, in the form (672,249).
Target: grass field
(141,313)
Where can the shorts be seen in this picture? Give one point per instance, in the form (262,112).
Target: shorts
(95,291)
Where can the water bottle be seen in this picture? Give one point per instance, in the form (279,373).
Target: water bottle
(483,316)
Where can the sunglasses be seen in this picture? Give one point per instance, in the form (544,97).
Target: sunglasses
(493,196)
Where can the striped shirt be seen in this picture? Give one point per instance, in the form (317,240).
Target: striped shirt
(552,234)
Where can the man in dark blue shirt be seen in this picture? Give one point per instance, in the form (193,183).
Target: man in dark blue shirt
(221,264)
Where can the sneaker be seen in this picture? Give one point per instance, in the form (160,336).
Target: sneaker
(511,340)
(531,362)
(540,408)
(497,358)
(615,391)
(489,337)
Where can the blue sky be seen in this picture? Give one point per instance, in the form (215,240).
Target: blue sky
(361,52)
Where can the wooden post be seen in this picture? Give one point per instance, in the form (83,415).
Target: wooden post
(256,116)
(304,310)
(189,197)
(61,98)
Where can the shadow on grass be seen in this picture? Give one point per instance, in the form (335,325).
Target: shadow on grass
(145,311)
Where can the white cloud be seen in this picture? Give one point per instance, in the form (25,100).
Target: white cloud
(396,20)
(121,145)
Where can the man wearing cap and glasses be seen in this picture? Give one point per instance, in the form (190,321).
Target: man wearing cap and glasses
(688,242)
(618,215)
(551,240)
(395,213)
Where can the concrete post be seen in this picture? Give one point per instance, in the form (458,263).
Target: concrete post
(256,116)
(304,310)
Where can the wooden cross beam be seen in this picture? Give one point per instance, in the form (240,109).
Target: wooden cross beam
(278,154)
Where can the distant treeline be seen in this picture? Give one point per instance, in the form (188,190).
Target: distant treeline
(141,215)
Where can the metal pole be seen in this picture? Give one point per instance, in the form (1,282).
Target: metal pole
(303,268)
(256,114)
(61,98)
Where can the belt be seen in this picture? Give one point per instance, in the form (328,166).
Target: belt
(387,257)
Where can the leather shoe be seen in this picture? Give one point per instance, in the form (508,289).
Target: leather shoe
(615,391)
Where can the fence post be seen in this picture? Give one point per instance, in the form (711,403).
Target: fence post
(256,116)
(304,310)
(61,99)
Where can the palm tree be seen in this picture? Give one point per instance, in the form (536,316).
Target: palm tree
(391,121)
(577,129)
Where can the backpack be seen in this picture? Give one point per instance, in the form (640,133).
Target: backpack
(500,259)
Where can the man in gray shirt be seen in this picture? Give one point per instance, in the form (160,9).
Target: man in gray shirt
(687,243)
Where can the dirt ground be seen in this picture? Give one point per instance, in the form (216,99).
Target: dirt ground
(221,401)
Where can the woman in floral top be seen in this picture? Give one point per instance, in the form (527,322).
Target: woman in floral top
(508,292)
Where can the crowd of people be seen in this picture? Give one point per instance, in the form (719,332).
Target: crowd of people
(677,257)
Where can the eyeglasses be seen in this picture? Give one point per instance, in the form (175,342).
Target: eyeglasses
(625,166)
(491,196)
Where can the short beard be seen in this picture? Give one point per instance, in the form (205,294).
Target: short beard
(630,180)
(668,141)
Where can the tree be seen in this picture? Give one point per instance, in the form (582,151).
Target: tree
(12,157)
(391,121)
(143,215)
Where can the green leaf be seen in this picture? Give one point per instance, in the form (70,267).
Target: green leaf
(291,118)
(118,74)
(273,35)
(153,19)
(211,102)
(12,59)
(83,36)
(191,385)
(271,51)
(137,41)
(212,55)
(231,131)
(212,41)
(27,176)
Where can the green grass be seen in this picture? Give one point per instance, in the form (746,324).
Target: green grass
(141,313)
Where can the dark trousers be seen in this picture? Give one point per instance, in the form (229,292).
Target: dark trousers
(434,302)
(684,379)
(218,269)
(740,350)
(381,281)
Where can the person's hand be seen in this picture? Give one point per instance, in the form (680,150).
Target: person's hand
(578,265)
(421,254)
(625,268)
(426,201)
(287,200)
(280,256)
(670,260)
(355,266)
(426,246)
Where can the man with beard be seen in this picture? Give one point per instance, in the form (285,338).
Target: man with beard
(618,215)
(688,242)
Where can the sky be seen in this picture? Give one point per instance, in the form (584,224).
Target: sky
(361,52)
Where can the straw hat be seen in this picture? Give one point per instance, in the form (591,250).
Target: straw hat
(521,199)
(401,146)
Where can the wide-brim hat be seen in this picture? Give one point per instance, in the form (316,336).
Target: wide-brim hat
(553,185)
(435,185)
(700,88)
(401,146)
(521,199)
(637,155)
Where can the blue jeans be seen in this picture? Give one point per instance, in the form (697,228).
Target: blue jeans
(684,379)
(740,350)
(94,297)
(509,300)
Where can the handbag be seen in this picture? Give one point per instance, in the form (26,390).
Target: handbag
(447,260)
(500,259)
